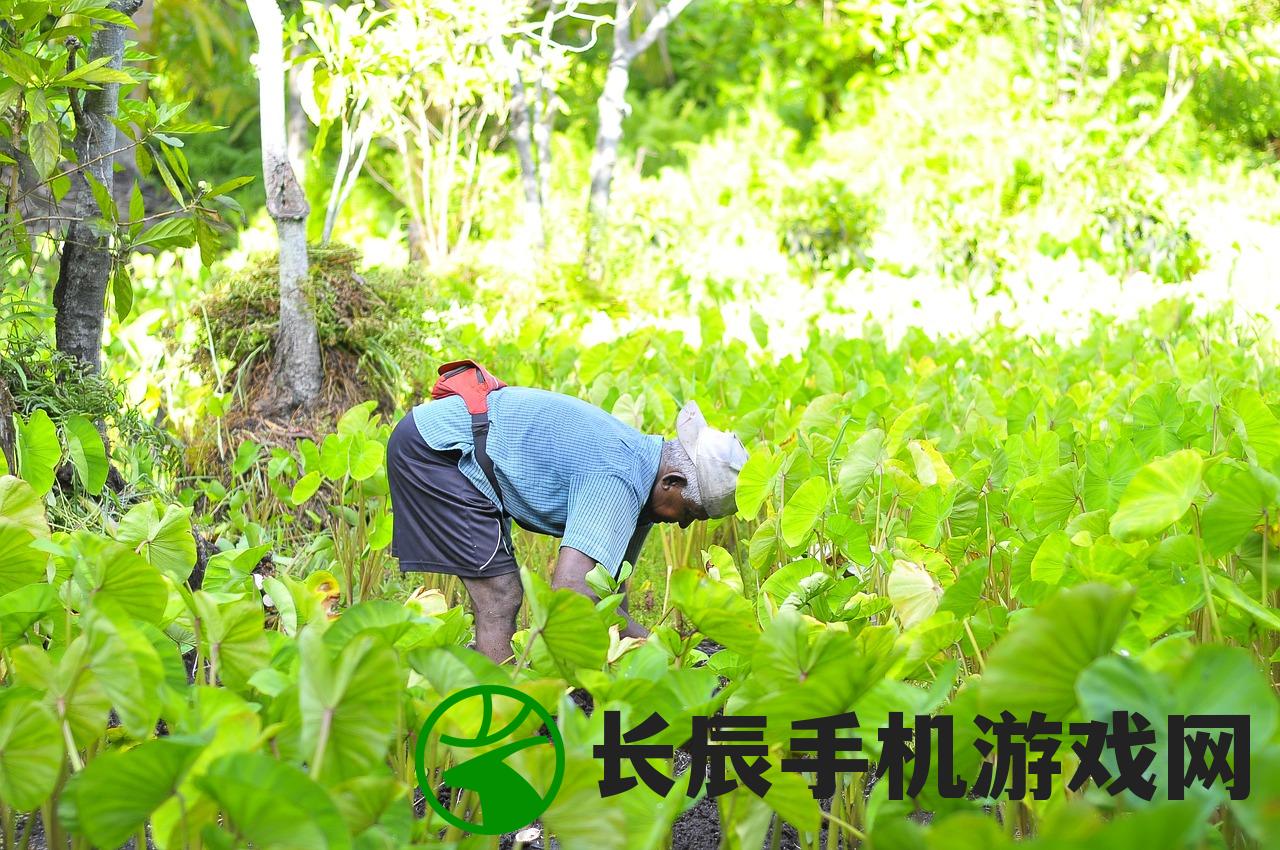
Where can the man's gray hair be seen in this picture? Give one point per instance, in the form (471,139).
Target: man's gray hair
(675,457)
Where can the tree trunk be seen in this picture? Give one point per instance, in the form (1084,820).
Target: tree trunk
(79,297)
(8,437)
(298,123)
(297,370)
(612,108)
(126,163)
(1174,95)
(544,116)
(522,135)
(545,102)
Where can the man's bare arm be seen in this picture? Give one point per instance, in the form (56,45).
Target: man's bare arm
(571,571)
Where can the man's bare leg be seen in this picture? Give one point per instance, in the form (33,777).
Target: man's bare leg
(494,603)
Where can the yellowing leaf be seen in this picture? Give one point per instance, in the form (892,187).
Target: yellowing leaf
(931,468)
(914,592)
(1158,495)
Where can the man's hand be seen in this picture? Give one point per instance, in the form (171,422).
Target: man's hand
(571,571)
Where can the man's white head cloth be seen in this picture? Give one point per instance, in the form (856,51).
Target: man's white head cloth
(717,458)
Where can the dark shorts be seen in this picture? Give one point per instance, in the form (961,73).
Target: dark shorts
(441,522)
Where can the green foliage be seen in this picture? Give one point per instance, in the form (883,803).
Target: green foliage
(812,56)
(826,226)
(1158,496)
(1244,109)
(1133,234)
(58,405)
(1022,557)
(41,117)
(115,795)
(32,751)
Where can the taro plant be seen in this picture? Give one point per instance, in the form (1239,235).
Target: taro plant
(1097,537)
(347,473)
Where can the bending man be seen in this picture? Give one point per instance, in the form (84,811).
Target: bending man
(564,468)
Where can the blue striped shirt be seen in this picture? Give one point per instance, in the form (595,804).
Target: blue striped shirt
(566,468)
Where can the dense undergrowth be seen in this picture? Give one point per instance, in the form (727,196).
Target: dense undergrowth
(1008,380)
(1067,538)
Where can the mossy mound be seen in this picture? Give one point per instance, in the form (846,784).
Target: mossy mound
(369,327)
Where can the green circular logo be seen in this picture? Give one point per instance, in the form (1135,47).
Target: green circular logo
(507,800)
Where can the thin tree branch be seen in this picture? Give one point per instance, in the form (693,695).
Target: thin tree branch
(657,24)
(1170,108)
(73,44)
(72,171)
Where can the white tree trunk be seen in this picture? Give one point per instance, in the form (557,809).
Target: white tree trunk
(612,109)
(544,117)
(297,371)
(544,109)
(522,136)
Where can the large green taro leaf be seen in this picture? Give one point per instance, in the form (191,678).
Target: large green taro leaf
(1157,416)
(577,816)
(350,703)
(20,503)
(88,453)
(864,456)
(1057,497)
(803,510)
(802,669)
(30,752)
(717,611)
(69,684)
(274,805)
(116,793)
(20,563)
(1242,498)
(23,607)
(755,481)
(790,581)
(231,637)
(376,810)
(1158,495)
(1215,680)
(567,631)
(350,454)
(38,450)
(109,572)
(128,667)
(929,511)
(164,540)
(1035,666)
(1256,426)
(1108,470)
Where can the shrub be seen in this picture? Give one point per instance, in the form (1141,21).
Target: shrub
(1132,233)
(827,226)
